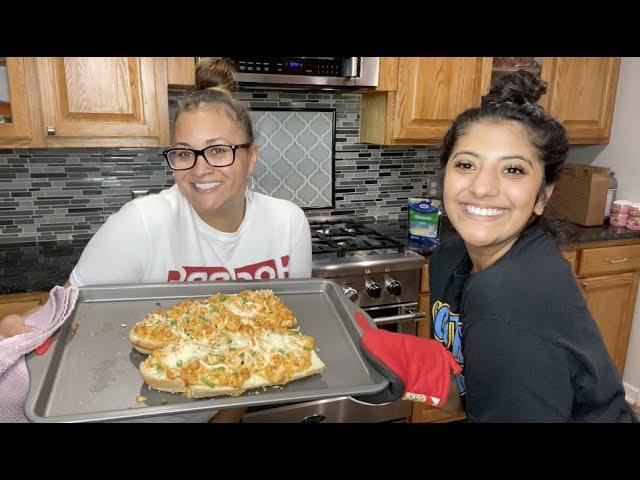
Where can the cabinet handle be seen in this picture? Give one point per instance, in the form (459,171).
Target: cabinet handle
(619,260)
(585,284)
(51,130)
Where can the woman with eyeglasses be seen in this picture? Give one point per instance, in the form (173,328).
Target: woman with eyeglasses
(210,225)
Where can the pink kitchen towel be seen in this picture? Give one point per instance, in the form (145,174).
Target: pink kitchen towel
(14,375)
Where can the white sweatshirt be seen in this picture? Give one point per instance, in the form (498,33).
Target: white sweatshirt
(160,238)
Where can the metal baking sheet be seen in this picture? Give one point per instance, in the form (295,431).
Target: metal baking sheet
(90,372)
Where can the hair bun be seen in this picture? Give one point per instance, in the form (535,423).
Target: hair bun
(520,88)
(216,74)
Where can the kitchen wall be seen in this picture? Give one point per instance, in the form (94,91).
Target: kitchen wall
(66,194)
(622,155)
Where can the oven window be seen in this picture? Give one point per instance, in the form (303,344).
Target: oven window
(385,312)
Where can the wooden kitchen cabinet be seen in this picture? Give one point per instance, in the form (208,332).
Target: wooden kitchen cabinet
(104,101)
(608,274)
(20,114)
(87,102)
(611,299)
(418,97)
(581,95)
(181,71)
(21,303)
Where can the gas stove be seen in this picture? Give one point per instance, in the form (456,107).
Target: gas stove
(342,238)
(373,269)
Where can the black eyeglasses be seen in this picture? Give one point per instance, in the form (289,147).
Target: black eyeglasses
(214,155)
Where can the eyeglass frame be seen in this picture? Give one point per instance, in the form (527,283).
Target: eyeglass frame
(199,153)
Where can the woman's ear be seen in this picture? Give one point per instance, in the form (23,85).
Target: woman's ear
(543,199)
(254,151)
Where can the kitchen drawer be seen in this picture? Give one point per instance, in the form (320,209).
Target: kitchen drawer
(609,259)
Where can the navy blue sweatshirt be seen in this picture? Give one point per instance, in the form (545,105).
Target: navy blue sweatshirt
(530,349)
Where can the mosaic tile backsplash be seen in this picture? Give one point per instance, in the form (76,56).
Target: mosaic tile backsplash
(63,195)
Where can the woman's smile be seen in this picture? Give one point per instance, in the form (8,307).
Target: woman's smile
(483,213)
(206,187)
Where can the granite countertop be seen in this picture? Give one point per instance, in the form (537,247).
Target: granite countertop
(566,233)
(30,267)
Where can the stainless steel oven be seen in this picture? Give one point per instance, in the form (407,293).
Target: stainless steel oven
(380,277)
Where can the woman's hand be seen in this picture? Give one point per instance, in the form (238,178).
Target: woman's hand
(14,325)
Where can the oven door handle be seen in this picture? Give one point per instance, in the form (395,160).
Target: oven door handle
(411,315)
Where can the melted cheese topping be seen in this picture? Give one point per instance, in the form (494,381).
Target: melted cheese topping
(228,341)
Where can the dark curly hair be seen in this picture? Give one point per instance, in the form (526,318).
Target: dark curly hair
(514,98)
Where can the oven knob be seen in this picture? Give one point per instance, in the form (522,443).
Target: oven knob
(394,288)
(373,289)
(350,292)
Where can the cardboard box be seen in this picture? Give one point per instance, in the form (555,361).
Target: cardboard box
(580,195)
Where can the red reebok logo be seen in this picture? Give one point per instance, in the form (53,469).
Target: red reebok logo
(265,270)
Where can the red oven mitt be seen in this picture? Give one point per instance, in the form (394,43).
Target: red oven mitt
(418,369)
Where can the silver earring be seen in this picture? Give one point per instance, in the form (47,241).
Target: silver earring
(250,188)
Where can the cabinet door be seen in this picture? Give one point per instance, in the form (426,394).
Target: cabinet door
(581,94)
(21,303)
(433,91)
(611,300)
(19,101)
(181,71)
(104,101)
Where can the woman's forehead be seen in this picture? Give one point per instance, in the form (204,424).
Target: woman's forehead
(497,138)
(209,122)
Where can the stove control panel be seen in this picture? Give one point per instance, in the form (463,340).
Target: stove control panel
(368,289)
(350,292)
(393,286)
(373,288)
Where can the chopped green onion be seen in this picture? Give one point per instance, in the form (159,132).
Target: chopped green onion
(222,297)
(179,364)
(173,323)
(159,368)
(244,299)
(164,401)
(282,352)
(208,382)
(213,309)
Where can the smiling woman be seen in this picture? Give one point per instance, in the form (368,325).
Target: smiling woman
(530,350)
(209,225)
